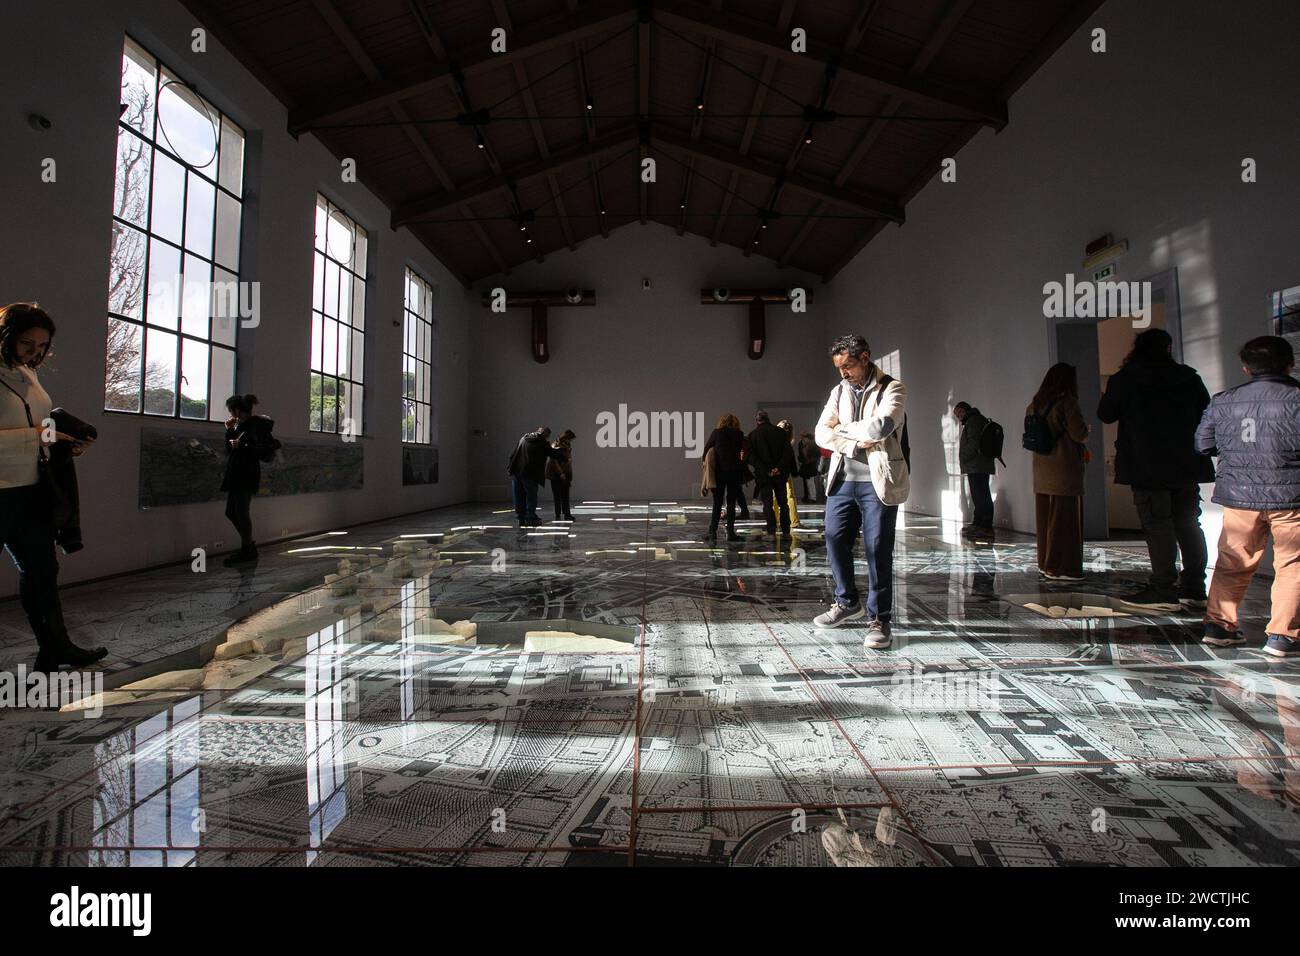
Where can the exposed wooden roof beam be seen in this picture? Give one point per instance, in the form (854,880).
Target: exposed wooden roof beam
(875,204)
(740,31)
(938,36)
(697,127)
(755,108)
(433,203)
(589,129)
(600,17)
(643,100)
(851,43)
(339,27)
(1064,29)
(535,124)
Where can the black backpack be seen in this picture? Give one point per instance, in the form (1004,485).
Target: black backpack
(1038,436)
(990,441)
(267,445)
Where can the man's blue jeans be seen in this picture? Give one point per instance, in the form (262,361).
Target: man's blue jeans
(850,505)
(525,492)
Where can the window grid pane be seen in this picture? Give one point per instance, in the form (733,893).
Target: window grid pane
(417,361)
(337,322)
(168,353)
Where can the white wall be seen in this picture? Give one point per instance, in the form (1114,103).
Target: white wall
(654,351)
(63,60)
(1145,142)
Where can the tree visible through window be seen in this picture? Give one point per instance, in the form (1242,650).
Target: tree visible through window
(174,292)
(338,322)
(417,362)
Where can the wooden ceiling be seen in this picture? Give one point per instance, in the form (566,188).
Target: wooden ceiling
(477,152)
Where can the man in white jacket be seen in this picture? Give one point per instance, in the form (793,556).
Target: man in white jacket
(867,481)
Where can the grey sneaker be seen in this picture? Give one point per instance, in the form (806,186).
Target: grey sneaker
(837,615)
(878,637)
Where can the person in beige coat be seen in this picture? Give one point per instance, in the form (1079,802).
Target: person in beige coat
(864,424)
(1058,475)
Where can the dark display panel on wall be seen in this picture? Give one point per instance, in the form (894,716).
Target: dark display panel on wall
(419,465)
(179,467)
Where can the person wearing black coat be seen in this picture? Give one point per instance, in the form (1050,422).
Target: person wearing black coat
(1254,430)
(772,459)
(247,436)
(1158,404)
(727,442)
(527,470)
(977,467)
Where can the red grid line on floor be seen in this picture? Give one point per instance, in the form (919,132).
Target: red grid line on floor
(810,685)
(1035,764)
(635,809)
(766,807)
(640,697)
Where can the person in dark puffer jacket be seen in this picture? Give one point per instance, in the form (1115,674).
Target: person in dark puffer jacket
(1254,430)
(1158,404)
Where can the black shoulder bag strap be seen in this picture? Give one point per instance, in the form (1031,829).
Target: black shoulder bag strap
(885,379)
(28,409)
(43,477)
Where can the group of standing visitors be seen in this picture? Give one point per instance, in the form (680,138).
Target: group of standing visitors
(1169,430)
(535,460)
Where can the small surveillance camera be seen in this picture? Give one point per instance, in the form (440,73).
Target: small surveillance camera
(645,284)
(722,293)
(573,296)
(37,121)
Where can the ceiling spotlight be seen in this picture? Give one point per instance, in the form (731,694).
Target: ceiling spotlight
(764,223)
(602,211)
(529,239)
(683,205)
(699,102)
(590,104)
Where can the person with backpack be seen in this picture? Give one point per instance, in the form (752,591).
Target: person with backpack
(1055,432)
(1158,404)
(864,423)
(1254,431)
(249,443)
(980,446)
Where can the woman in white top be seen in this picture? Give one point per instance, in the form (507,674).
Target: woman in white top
(26,520)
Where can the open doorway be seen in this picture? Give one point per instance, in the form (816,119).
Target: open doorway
(1096,347)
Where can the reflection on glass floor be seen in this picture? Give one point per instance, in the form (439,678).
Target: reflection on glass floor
(730,732)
